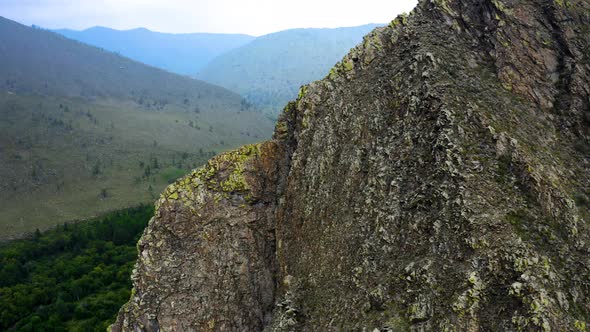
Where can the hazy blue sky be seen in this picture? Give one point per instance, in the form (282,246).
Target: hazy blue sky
(253,17)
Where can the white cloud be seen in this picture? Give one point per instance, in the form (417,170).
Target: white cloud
(254,17)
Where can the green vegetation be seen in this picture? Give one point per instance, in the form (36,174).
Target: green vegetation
(232,162)
(170,174)
(84,131)
(56,163)
(269,71)
(74,277)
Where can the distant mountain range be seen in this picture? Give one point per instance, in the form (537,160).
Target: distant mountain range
(184,54)
(267,70)
(84,131)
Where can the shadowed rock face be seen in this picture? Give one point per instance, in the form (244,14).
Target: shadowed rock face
(438,179)
(207,259)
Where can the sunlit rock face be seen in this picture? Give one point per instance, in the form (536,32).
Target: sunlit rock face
(437,180)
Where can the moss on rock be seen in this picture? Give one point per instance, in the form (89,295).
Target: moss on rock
(222,175)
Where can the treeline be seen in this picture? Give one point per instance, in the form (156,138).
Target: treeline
(72,278)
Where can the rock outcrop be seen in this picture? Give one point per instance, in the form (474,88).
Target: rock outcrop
(437,180)
(207,258)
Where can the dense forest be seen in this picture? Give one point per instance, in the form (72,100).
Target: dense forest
(73,277)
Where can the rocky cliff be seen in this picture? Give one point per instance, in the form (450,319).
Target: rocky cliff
(437,180)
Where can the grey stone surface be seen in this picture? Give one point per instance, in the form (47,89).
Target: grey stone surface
(437,180)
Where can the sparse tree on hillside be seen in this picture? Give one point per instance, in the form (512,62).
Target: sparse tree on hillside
(96,168)
(36,235)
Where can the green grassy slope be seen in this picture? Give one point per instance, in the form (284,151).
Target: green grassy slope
(69,152)
(269,71)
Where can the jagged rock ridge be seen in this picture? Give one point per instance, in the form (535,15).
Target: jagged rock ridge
(436,180)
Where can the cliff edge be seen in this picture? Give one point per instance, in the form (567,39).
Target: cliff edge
(438,179)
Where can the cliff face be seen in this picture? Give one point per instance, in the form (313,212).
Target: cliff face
(438,179)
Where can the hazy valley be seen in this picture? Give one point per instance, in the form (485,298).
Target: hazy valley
(429,174)
(183,54)
(84,131)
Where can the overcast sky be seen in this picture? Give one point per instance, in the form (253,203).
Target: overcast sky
(254,17)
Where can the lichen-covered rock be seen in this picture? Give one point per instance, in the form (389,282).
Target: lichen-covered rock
(436,180)
(207,259)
